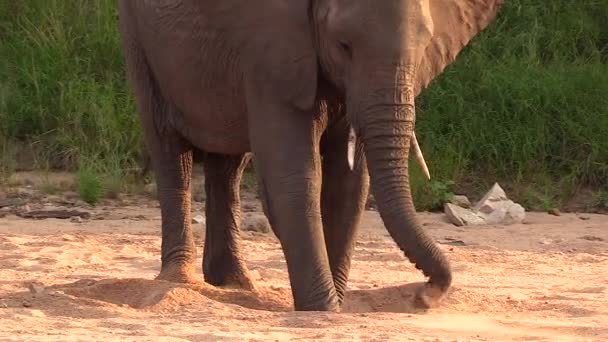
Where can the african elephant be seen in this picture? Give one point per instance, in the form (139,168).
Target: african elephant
(286,81)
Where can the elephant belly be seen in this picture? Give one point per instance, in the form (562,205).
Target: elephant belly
(214,123)
(211,110)
(199,75)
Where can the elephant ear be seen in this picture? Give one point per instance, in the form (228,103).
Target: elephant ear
(456,22)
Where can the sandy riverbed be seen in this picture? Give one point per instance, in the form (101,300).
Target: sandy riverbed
(544,280)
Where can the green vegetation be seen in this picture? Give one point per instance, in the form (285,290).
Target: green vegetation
(525,104)
(89,185)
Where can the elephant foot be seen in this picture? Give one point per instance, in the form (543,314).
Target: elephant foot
(184,274)
(428,296)
(236,277)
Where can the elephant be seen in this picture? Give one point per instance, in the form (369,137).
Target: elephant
(321,95)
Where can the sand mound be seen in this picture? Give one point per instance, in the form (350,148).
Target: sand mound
(163,296)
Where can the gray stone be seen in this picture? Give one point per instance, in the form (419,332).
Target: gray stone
(36,288)
(461,216)
(76,219)
(493,208)
(199,196)
(505,212)
(461,201)
(256,222)
(198,219)
(54,212)
(489,202)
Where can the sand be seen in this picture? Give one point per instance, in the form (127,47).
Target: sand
(543,280)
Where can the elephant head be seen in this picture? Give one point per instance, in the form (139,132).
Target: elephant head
(381,54)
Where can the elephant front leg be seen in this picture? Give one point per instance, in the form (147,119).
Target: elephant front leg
(343,200)
(288,165)
(222,261)
(172,158)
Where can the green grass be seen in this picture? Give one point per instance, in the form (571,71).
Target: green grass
(63,89)
(525,104)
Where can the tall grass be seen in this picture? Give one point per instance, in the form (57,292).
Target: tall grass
(62,86)
(525,104)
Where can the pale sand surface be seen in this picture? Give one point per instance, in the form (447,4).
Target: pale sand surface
(544,280)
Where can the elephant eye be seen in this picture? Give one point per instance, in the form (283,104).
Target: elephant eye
(346,48)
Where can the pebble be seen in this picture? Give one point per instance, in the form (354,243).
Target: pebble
(257,223)
(36,288)
(198,219)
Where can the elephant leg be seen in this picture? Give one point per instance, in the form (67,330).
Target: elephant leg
(171,159)
(222,261)
(343,199)
(173,167)
(288,166)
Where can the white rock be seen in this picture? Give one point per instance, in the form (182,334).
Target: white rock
(461,201)
(461,216)
(198,219)
(493,208)
(36,288)
(488,203)
(256,223)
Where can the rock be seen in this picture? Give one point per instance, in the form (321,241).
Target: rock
(461,201)
(198,219)
(76,219)
(584,217)
(506,212)
(490,201)
(58,213)
(3,305)
(554,212)
(257,223)
(26,304)
(150,189)
(493,208)
(11,202)
(85,282)
(71,196)
(36,288)
(591,238)
(452,242)
(248,207)
(461,216)
(199,196)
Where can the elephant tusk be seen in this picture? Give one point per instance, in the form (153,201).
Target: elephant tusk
(419,156)
(350,151)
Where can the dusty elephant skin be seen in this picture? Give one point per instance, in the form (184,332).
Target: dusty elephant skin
(228,77)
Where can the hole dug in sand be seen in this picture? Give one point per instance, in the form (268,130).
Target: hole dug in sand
(158,295)
(395,299)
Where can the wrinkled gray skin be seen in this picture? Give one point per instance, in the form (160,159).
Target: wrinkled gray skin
(285,80)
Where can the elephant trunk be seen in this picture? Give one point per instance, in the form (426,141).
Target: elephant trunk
(385,123)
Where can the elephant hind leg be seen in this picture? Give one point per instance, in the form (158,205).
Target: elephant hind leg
(222,261)
(171,160)
(343,197)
